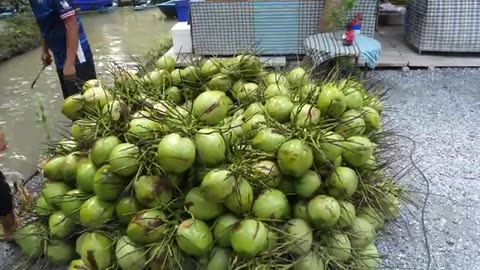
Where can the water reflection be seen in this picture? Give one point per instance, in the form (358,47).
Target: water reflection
(113,37)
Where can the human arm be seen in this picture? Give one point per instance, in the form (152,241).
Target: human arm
(72,46)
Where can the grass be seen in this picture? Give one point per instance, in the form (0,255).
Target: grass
(18,34)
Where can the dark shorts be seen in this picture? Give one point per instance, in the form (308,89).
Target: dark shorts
(85,72)
(6,198)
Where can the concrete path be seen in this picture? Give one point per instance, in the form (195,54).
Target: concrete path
(440,111)
(396,53)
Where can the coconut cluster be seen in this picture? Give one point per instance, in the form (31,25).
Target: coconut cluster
(224,165)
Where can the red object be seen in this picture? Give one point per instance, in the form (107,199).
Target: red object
(348,38)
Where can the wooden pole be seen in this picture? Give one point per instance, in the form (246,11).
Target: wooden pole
(326,25)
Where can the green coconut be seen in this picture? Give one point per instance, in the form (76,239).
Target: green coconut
(271,204)
(53,192)
(42,208)
(123,159)
(253,125)
(126,208)
(31,239)
(294,157)
(368,258)
(52,169)
(357,151)
(309,262)
(305,115)
(217,185)
(299,236)
(77,265)
(279,108)
(244,91)
(90,84)
(247,65)
(323,211)
(351,124)
(390,205)
(374,102)
(300,210)
(194,237)
(240,201)
(82,131)
(249,237)
(176,154)
(211,147)
(143,129)
(347,214)
(70,166)
(66,145)
(219,259)
(361,233)
(107,185)
(342,182)
(371,118)
(253,109)
(309,91)
(96,250)
(153,190)
(209,68)
(129,255)
(211,107)
(274,90)
(60,226)
(222,229)
(266,173)
(115,110)
(220,82)
(331,147)
(372,215)
(73,106)
(268,140)
(275,78)
(190,75)
(85,175)
(200,207)
(100,152)
(308,184)
(95,213)
(71,203)
(60,252)
(331,101)
(147,226)
(297,77)
(338,247)
(157,78)
(96,98)
(353,97)
(166,63)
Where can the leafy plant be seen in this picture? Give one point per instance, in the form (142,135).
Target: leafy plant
(339,16)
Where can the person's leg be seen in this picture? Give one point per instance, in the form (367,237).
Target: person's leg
(85,72)
(65,85)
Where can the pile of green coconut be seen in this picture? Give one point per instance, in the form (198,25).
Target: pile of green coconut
(220,165)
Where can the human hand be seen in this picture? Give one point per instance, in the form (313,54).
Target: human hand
(46,58)
(69,72)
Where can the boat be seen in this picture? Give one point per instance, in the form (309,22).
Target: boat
(168,9)
(92,5)
(141,5)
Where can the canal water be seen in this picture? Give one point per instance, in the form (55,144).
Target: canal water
(115,36)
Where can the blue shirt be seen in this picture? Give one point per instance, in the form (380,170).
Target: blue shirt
(50,15)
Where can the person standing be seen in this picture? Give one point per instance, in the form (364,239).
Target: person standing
(7,212)
(63,35)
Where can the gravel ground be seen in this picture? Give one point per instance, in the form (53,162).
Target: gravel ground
(439,111)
